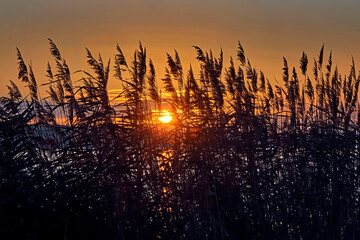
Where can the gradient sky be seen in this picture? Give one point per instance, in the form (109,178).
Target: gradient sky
(267,29)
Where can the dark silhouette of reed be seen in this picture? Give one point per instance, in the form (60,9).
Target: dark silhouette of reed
(241,159)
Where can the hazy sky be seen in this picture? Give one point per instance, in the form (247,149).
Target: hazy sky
(267,29)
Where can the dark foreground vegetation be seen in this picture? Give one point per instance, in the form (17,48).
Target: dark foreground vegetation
(242,158)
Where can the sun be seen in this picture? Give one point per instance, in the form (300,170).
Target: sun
(165,117)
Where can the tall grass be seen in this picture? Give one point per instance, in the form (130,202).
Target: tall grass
(241,159)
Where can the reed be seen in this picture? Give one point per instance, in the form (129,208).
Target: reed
(242,158)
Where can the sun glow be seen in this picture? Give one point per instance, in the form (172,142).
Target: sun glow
(165,117)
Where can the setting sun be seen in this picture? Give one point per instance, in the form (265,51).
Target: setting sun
(165,117)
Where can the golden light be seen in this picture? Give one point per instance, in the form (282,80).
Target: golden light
(165,117)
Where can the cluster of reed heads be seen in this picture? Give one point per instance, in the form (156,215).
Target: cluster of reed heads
(242,158)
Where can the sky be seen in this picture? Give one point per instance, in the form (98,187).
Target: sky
(268,30)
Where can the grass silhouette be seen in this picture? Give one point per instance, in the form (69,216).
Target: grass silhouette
(241,159)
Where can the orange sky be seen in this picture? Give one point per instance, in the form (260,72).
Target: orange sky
(268,30)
